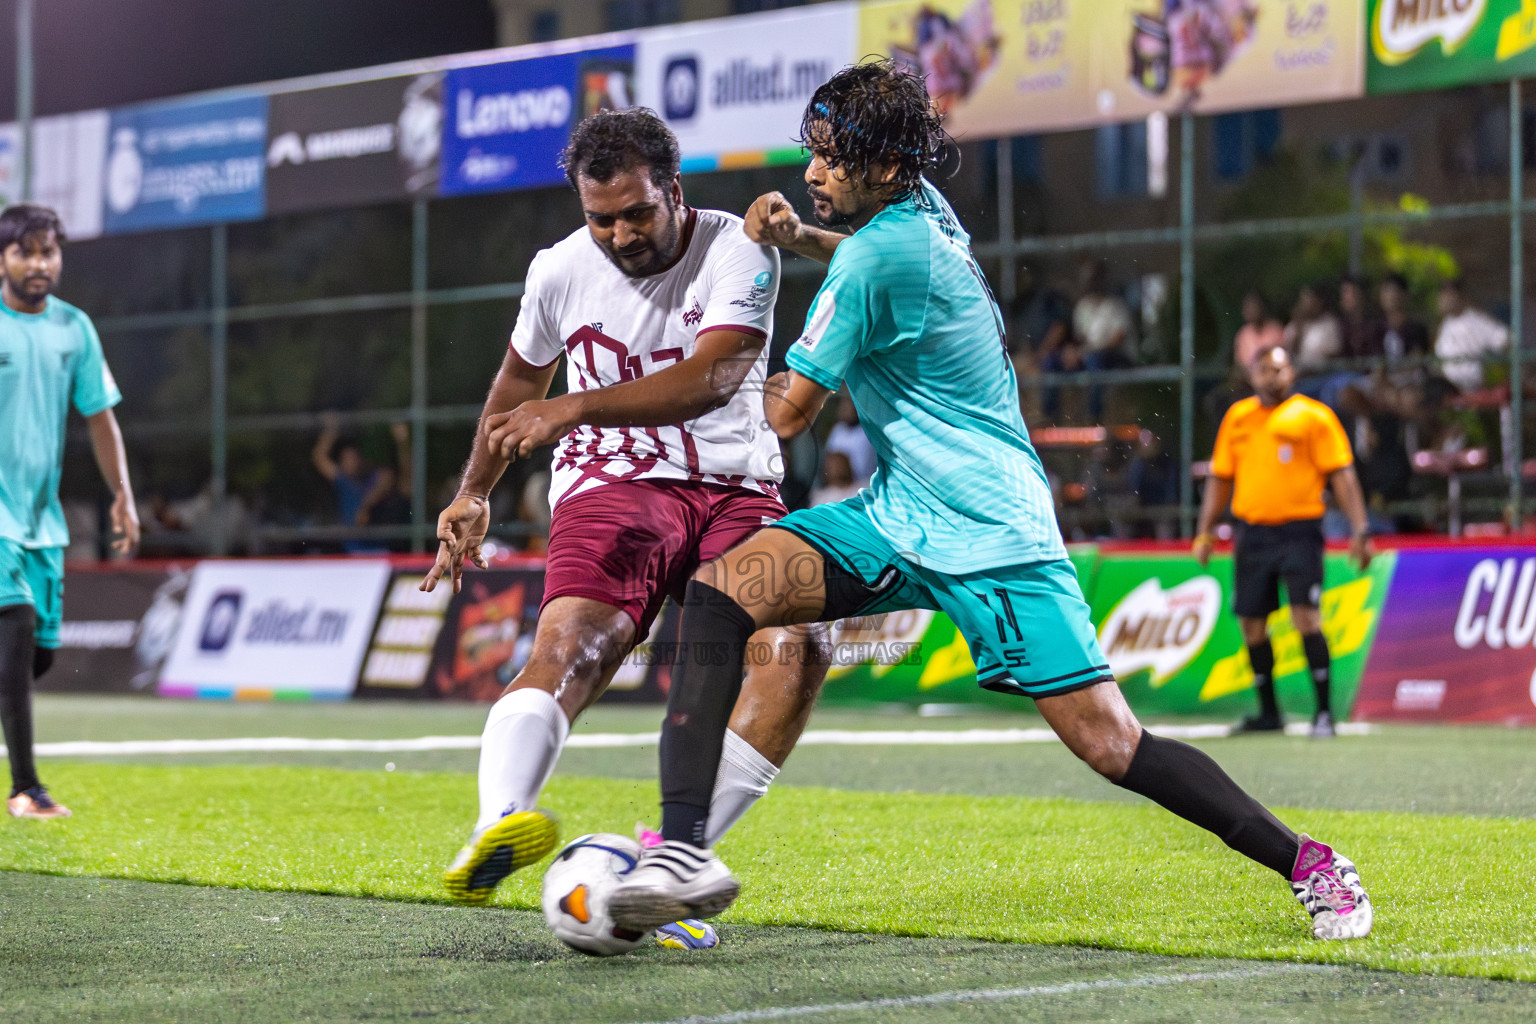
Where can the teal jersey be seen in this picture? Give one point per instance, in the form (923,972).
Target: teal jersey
(48,361)
(907,321)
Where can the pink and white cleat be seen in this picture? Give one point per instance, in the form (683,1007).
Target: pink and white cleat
(1329,888)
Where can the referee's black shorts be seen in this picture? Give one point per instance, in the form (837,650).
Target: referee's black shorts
(1265,555)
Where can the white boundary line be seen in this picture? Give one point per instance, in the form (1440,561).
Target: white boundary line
(993,995)
(590,740)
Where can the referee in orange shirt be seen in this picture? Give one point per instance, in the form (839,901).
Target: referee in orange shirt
(1275,452)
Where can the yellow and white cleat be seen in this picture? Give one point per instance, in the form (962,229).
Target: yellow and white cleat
(517,840)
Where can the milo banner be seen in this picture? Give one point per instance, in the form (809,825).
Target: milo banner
(1432,44)
(1166,627)
(1456,643)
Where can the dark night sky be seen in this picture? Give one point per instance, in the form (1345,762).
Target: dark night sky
(102,53)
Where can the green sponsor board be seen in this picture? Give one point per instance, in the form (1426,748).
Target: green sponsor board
(1165,624)
(1432,44)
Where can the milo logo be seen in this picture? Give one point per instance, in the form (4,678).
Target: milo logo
(1161,630)
(1403,27)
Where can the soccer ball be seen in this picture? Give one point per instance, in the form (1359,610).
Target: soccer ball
(576,890)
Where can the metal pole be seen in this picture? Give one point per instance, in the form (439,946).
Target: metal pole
(1186,323)
(1006,291)
(218,359)
(1515,455)
(419,532)
(24,84)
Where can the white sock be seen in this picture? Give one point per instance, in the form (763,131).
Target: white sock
(518,749)
(744,777)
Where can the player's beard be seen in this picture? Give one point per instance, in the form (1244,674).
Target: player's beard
(31,289)
(836,218)
(659,252)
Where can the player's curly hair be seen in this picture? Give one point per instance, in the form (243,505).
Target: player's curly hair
(876,112)
(610,142)
(22,220)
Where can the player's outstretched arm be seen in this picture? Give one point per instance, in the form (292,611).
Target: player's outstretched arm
(791,403)
(1351,498)
(703,382)
(461,526)
(112,460)
(771,220)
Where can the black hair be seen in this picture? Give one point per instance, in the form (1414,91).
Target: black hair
(1397,280)
(876,112)
(610,142)
(22,220)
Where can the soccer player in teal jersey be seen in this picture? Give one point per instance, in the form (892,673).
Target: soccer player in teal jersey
(50,358)
(957,518)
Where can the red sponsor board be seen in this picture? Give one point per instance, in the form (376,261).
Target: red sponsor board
(1456,639)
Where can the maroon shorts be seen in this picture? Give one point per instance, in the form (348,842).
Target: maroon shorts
(635,543)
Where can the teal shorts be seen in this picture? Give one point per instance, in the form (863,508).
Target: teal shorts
(34,576)
(1027,625)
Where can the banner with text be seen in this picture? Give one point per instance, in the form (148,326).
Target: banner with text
(1433,45)
(119,624)
(350,144)
(279,630)
(506,124)
(185,162)
(734,90)
(1456,640)
(67,156)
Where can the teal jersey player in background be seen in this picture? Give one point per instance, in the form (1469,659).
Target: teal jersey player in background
(50,359)
(958,516)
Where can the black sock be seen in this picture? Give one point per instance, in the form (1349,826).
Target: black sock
(1318,660)
(705,684)
(17,624)
(1262,657)
(1187,782)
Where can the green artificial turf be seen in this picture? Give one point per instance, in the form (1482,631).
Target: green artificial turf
(89,949)
(1451,892)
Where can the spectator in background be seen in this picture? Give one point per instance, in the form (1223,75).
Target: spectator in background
(848,439)
(1400,336)
(360,489)
(1039,322)
(388,502)
(1101,328)
(837,480)
(1259,332)
(533,509)
(1466,336)
(1359,330)
(1313,336)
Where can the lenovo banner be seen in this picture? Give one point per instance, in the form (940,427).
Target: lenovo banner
(119,623)
(506,123)
(734,90)
(275,630)
(362,143)
(1456,640)
(185,162)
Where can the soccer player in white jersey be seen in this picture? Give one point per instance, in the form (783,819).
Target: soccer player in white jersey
(50,359)
(662,463)
(958,517)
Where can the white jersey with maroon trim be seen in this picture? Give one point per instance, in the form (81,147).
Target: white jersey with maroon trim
(614,328)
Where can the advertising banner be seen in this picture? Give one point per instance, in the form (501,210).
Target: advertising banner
(1215,55)
(486,633)
(185,162)
(734,90)
(994,67)
(1432,45)
(506,124)
(118,628)
(1456,641)
(1166,627)
(283,630)
(67,156)
(349,144)
(400,658)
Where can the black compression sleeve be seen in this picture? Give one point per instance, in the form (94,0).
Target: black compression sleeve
(705,685)
(17,624)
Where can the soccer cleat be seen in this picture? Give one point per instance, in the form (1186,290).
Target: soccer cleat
(517,840)
(1260,723)
(1329,888)
(691,934)
(1322,726)
(35,803)
(672,882)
